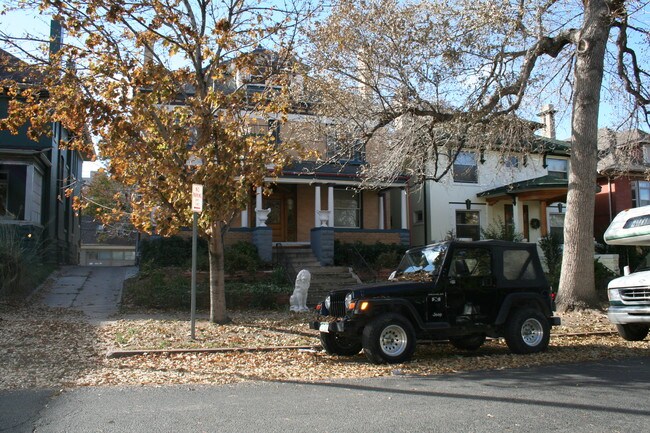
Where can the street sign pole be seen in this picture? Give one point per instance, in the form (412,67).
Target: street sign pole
(193,301)
(197,206)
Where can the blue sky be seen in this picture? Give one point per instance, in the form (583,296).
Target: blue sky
(38,26)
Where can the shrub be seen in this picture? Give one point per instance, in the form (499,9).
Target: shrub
(377,256)
(241,256)
(501,231)
(170,288)
(552,249)
(175,251)
(21,264)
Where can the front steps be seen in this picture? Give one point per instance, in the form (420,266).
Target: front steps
(323,278)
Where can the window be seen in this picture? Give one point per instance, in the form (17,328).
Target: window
(518,265)
(465,168)
(646,154)
(347,209)
(471,262)
(341,146)
(510,161)
(556,226)
(468,225)
(640,193)
(418,217)
(558,168)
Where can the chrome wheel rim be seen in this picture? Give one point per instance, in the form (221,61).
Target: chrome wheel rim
(393,340)
(532,332)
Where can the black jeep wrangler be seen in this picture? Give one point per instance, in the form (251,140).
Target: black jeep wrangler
(457,291)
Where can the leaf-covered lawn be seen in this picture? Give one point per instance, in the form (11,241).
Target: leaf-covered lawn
(41,347)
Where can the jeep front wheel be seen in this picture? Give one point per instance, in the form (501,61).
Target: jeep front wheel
(632,331)
(527,331)
(389,338)
(339,345)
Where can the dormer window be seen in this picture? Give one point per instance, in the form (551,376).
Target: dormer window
(558,168)
(646,153)
(465,169)
(342,147)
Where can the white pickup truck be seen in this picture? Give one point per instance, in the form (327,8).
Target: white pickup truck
(629,295)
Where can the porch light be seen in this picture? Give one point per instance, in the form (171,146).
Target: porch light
(468,204)
(559,207)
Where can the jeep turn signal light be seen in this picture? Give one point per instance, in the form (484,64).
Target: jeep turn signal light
(318,307)
(352,305)
(364,305)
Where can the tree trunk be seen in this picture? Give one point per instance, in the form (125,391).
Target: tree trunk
(217,280)
(577,285)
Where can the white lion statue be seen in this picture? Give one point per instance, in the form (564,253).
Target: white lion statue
(298,300)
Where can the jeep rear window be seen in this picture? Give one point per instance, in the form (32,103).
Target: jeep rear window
(518,265)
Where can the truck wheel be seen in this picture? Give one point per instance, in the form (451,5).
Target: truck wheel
(527,331)
(339,345)
(470,342)
(632,331)
(389,338)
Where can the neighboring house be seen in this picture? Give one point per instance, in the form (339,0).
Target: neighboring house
(34,176)
(527,191)
(319,197)
(623,171)
(101,248)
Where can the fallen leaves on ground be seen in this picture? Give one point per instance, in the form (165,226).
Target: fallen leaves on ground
(45,347)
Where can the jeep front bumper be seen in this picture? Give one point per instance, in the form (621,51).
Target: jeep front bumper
(629,314)
(337,327)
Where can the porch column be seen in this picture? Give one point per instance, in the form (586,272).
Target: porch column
(381,212)
(316,205)
(516,212)
(330,204)
(244,217)
(29,193)
(258,206)
(405,225)
(543,222)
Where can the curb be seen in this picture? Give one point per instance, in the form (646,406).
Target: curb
(126,353)
(111,354)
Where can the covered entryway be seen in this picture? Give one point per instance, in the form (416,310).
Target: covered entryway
(282,218)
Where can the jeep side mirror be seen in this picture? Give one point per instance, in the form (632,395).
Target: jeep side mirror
(391,277)
(626,270)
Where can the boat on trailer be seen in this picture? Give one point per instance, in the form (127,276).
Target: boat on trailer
(630,227)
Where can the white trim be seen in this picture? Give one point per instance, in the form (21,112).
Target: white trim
(330,204)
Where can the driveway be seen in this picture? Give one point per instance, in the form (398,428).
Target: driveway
(94,290)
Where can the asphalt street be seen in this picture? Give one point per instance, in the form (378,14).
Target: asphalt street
(608,396)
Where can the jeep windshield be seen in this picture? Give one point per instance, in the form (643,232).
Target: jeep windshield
(425,260)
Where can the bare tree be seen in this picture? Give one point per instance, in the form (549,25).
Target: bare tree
(429,78)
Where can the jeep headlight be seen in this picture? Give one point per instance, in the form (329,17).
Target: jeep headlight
(348,300)
(328,302)
(614,295)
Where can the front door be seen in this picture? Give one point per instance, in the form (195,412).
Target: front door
(282,218)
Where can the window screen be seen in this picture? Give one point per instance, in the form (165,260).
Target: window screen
(518,265)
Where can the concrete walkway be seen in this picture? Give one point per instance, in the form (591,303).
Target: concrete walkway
(96,291)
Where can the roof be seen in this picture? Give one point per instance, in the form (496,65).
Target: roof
(14,69)
(619,151)
(328,171)
(536,184)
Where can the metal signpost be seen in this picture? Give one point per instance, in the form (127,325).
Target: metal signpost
(197,207)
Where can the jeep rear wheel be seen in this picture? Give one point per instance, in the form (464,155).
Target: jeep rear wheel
(470,342)
(335,344)
(632,331)
(527,331)
(389,338)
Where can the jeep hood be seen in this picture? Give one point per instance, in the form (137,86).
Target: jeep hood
(633,280)
(386,288)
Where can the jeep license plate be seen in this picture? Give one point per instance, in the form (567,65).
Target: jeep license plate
(324,327)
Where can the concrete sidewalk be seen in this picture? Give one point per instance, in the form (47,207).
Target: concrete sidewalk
(96,291)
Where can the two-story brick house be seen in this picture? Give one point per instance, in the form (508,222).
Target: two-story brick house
(622,175)
(319,194)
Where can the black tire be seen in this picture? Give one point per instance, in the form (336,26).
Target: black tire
(335,344)
(527,331)
(389,338)
(633,331)
(470,342)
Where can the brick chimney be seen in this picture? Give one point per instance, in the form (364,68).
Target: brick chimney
(548,119)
